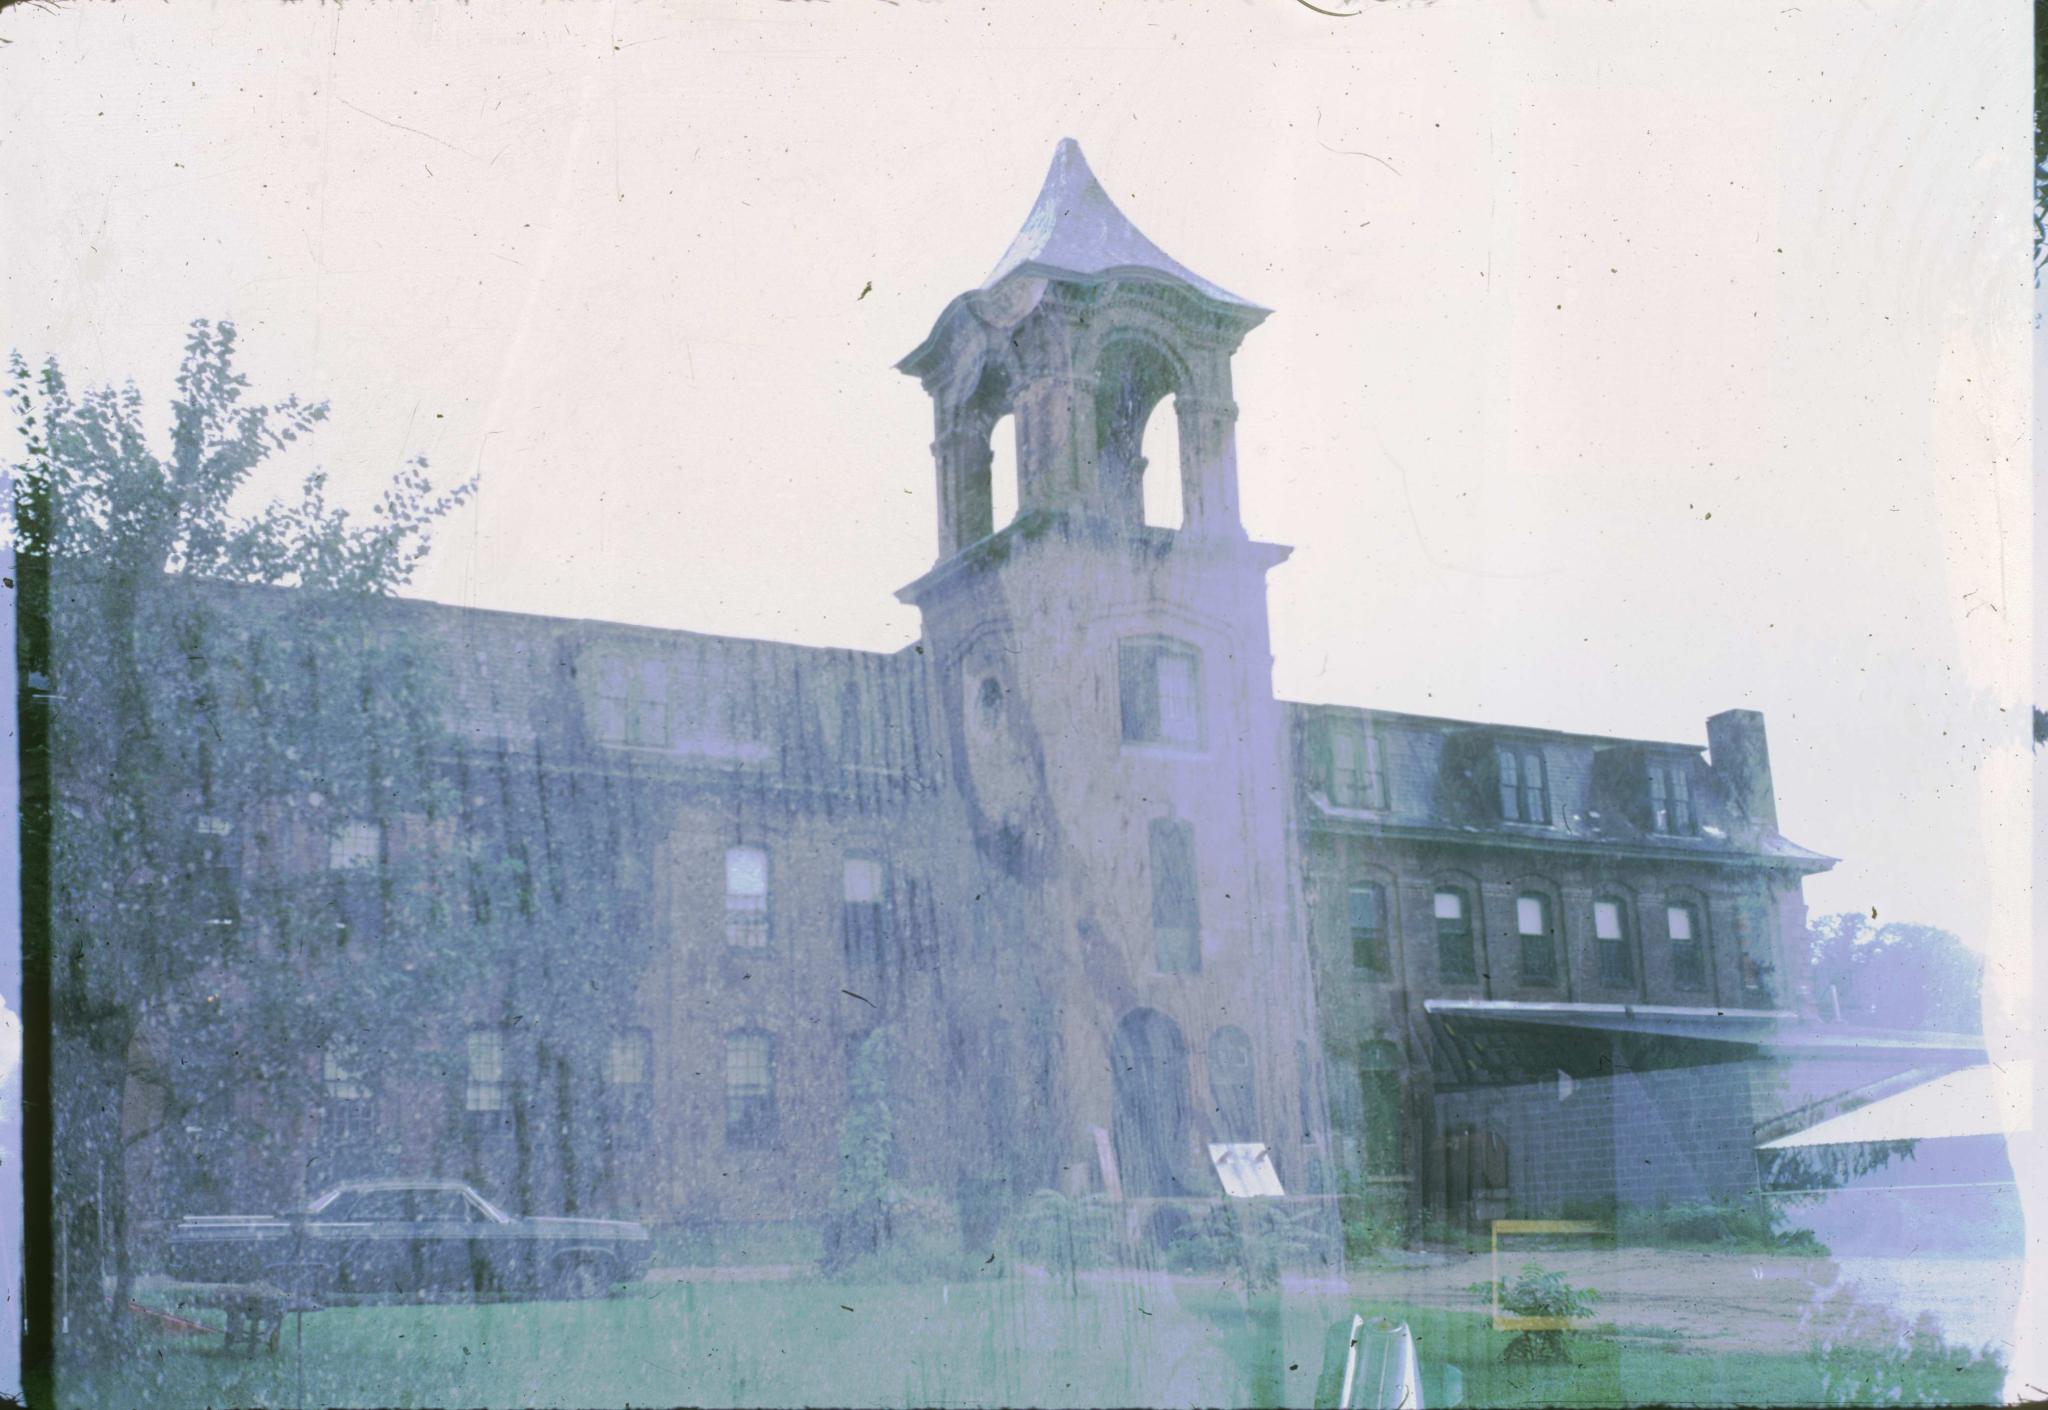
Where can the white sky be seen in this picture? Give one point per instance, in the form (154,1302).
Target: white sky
(1555,281)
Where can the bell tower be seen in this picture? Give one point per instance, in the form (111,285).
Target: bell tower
(1082,329)
(1104,691)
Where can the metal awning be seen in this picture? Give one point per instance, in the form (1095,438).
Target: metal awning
(1482,1042)
(1982,1100)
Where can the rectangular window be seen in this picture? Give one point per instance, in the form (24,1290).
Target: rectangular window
(1539,949)
(1159,690)
(1671,800)
(485,1090)
(355,846)
(346,1115)
(1357,776)
(1454,959)
(1688,956)
(746,898)
(1176,914)
(1610,934)
(749,1089)
(626,1064)
(864,913)
(1368,914)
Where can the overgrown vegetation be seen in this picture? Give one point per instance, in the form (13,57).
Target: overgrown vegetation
(1062,1235)
(1868,1355)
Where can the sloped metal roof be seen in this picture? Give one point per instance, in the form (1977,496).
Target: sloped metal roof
(1981,1100)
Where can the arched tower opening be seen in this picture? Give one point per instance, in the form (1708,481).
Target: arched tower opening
(1138,470)
(1002,473)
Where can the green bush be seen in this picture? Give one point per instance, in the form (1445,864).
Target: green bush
(1539,1292)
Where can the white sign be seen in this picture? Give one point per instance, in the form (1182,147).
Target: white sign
(1245,1170)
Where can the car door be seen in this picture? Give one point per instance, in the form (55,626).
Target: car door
(373,1243)
(449,1260)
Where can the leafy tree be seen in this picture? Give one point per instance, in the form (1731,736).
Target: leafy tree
(1897,975)
(858,1222)
(227,716)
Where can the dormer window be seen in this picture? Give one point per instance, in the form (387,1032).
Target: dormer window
(632,702)
(1159,687)
(1357,772)
(1524,785)
(1671,799)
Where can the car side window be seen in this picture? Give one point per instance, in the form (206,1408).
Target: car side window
(442,1206)
(341,1207)
(382,1204)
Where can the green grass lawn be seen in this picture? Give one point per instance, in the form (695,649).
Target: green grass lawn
(1009,1342)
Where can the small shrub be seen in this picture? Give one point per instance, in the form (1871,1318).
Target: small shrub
(1061,1234)
(1539,1292)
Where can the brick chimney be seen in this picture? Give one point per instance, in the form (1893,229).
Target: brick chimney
(1742,761)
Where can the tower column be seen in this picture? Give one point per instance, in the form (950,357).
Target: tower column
(966,501)
(1208,459)
(1055,442)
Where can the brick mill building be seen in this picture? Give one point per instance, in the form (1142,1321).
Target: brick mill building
(1122,903)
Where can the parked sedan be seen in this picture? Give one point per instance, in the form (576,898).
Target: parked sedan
(410,1238)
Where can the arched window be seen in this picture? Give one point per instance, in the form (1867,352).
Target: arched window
(1611,939)
(746,898)
(1367,907)
(1539,945)
(864,914)
(1454,957)
(1688,945)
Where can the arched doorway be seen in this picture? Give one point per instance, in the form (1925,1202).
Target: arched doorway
(1149,1081)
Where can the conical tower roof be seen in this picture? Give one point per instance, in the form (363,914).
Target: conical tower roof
(1074,234)
(1075,231)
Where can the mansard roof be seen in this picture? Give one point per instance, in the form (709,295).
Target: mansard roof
(1076,232)
(1426,761)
